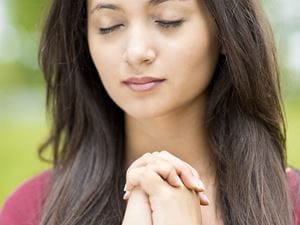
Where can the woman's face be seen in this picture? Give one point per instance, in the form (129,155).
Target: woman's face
(174,40)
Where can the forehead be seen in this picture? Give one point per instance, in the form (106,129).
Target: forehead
(116,5)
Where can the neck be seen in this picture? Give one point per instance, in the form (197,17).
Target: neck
(182,133)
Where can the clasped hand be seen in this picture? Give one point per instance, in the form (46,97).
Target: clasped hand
(161,189)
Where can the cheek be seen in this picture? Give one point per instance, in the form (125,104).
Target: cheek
(198,54)
(107,65)
(201,56)
(102,58)
(196,58)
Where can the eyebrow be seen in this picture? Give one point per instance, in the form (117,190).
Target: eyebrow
(116,7)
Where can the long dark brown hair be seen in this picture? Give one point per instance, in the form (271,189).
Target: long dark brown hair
(244,119)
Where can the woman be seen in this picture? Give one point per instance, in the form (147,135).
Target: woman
(178,99)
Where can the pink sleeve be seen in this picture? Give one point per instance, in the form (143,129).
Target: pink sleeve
(294,183)
(23,207)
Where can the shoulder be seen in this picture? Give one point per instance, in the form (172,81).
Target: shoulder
(24,205)
(293,176)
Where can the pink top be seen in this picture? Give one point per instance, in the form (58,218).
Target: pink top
(24,206)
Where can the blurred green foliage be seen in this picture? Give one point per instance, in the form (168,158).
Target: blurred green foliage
(26,14)
(293,131)
(23,125)
(19,159)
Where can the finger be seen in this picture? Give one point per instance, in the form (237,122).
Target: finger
(141,161)
(167,171)
(147,179)
(164,169)
(188,174)
(145,160)
(195,172)
(203,198)
(138,202)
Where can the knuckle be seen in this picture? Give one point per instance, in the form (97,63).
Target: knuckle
(156,160)
(165,153)
(165,169)
(155,153)
(164,164)
(176,162)
(146,155)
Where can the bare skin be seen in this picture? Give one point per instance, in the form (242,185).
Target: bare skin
(161,200)
(132,41)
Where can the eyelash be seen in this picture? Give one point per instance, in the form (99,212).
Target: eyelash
(164,24)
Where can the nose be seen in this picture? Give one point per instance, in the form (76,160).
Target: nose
(139,49)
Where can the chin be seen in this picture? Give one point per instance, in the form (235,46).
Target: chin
(144,113)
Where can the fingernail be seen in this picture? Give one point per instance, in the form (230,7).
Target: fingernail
(125,187)
(203,197)
(198,184)
(126,195)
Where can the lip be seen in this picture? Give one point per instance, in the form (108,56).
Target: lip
(143,84)
(142,80)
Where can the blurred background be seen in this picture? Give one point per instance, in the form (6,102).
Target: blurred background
(23,122)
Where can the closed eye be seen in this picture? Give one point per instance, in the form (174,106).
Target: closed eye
(163,23)
(169,24)
(109,29)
